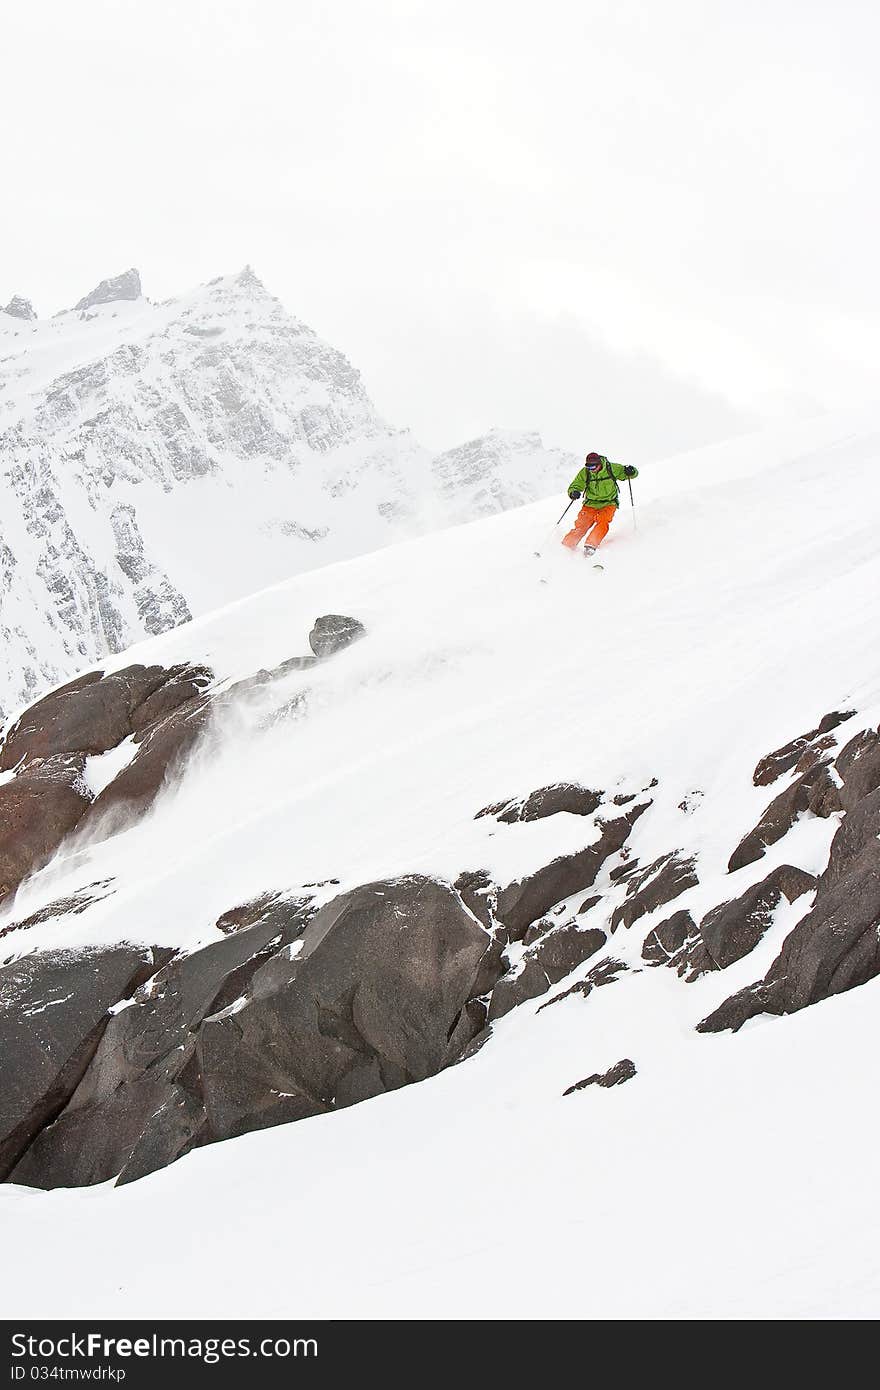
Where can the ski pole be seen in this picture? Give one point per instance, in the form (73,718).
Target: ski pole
(632,504)
(550,533)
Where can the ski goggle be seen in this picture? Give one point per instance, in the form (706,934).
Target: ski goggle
(594,464)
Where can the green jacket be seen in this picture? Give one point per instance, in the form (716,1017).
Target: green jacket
(600,488)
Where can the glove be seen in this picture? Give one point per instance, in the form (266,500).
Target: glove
(574,494)
(629,471)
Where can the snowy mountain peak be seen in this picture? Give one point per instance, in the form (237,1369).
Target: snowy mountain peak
(249,279)
(160,460)
(124,286)
(20,308)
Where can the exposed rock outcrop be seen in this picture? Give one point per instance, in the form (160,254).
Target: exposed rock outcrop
(161,709)
(546,801)
(333,632)
(124,286)
(246,914)
(654,886)
(605,972)
(814,792)
(622,1071)
(20,308)
(94,713)
(38,809)
(858,765)
(296,1013)
(771,767)
(54,1008)
(162,749)
(134,1096)
(733,929)
(377,998)
(525,900)
(530,982)
(727,933)
(479,894)
(674,942)
(836,946)
(555,955)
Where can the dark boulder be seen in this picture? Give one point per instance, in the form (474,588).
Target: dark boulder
(179,687)
(162,750)
(733,929)
(378,997)
(589,903)
(333,633)
(783,759)
(855,837)
(94,713)
(525,900)
(566,947)
(493,966)
(622,1071)
(654,886)
(516,988)
(814,792)
(95,1143)
(605,972)
(539,929)
(289,1015)
(727,933)
(479,895)
(760,998)
(172,1130)
(54,1007)
(38,809)
(570,797)
(140,1096)
(669,942)
(166,1011)
(245,1087)
(557,952)
(88,715)
(858,766)
(624,870)
(246,914)
(836,946)
(48,744)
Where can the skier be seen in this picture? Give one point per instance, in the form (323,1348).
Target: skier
(597,482)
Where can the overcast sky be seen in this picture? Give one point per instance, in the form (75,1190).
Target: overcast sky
(635,226)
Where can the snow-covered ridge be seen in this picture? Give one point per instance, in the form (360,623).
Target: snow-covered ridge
(159,460)
(655,690)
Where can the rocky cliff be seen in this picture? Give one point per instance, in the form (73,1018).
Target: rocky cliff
(159,460)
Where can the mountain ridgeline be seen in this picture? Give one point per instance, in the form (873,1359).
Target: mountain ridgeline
(158,460)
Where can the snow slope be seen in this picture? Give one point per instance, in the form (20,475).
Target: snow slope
(160,460)
(733,1175)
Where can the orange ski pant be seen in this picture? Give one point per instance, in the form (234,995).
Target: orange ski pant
(594,520)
